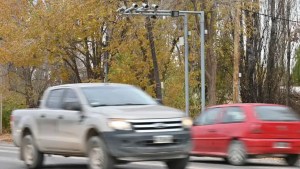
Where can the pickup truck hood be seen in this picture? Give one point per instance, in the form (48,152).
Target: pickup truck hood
(139,112)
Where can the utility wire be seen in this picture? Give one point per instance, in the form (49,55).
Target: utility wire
(266,15)
(262,14)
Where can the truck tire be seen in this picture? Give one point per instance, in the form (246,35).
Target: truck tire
(178,163)
(236,153)
(99,158)
(291,159)
(32,157)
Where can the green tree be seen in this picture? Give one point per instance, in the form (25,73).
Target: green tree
(296,69)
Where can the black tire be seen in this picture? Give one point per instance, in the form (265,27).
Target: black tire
(32,157)
(99,158)
(291,159)
(178,163)
(237,154)
(226,160)
(121,162)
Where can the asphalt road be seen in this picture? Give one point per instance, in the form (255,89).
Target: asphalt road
(9,160)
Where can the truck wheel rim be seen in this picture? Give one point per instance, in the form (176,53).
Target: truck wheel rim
(29,153)
(97,158)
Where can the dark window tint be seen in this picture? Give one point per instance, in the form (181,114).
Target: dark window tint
(208,117)
(54,99)
(234,115)
(276,113)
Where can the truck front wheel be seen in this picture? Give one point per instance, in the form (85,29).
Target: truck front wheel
(178,163)
(32,157)
(99,158)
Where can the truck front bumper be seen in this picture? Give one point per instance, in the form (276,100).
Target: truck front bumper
(133,146)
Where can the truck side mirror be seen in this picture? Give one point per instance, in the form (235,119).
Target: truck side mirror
(159,101)
(74,105)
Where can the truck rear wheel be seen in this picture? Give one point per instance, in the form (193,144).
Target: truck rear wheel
(99,158)
(32,157)
(178,163)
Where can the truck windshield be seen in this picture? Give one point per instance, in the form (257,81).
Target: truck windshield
(116,96)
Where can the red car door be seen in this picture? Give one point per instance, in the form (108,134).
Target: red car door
(232,126)
(203,131)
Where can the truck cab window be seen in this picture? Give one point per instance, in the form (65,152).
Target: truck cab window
(70,96)
(54,99)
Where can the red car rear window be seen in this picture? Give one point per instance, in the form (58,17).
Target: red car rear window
(276,113)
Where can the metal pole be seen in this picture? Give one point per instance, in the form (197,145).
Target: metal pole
(202,43)
(202,52)
(186,64)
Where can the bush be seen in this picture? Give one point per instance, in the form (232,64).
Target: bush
(8,106)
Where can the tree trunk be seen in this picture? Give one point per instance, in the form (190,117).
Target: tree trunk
(288,84)
(89,70)
(154,58)
(29,95)
(269,88)
(236,58)
(211,58)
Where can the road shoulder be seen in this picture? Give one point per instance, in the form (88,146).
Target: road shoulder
(6,139)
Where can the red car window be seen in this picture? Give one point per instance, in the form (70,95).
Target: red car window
(276,113)
(209,116)
(233,115)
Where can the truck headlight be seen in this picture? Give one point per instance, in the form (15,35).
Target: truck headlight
(187,122)
(119,124)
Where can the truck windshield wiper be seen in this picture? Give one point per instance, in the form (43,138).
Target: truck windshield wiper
(100,105)
(133,104)
(129,104)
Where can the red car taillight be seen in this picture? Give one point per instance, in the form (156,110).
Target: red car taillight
(256,128)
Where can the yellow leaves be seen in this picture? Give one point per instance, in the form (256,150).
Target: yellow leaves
(65,74)
(36,35)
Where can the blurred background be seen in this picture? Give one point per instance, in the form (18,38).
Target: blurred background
(45,43)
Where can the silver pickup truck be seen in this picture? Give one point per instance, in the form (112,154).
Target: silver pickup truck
(108,123)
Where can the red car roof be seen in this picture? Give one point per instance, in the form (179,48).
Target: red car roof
(245,105)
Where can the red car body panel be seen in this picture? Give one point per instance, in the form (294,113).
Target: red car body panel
(259,137)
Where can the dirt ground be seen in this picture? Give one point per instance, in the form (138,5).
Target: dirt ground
(5,138)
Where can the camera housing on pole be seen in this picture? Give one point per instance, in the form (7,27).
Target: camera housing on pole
(122,9)
(144,7)
(132,8)
(153,12)
(175,13)
(154,7)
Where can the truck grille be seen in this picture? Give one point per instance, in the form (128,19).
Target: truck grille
(156,125)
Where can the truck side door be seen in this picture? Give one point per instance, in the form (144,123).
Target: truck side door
(70,123)
(47,121)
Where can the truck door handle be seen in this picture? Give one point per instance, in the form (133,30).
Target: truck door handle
(212,131)
(43,116)
(60,117)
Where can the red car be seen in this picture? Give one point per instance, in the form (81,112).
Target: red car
(237,132)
